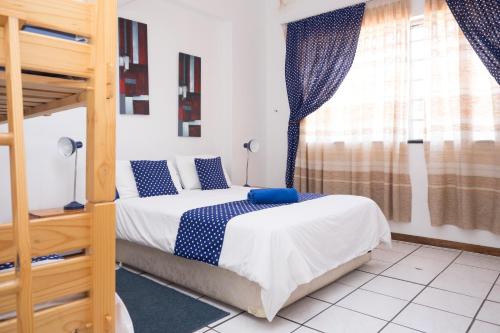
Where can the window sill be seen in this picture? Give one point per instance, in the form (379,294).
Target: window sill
(451,141)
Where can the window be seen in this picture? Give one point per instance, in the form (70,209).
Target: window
(396,91)
(417,64)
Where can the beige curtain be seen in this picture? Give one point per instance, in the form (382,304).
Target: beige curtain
(462,111)
(356,143)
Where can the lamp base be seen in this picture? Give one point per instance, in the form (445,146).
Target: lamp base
(246,185)
(74,206)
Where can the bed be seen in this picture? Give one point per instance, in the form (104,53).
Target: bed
(269,259)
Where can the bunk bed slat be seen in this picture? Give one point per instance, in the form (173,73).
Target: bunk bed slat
(54,84)
(5,139)
(63,15)
(63,318)
(73,101)
(52,281)
(50,235)
(9,288)
(38,93)
(52,55)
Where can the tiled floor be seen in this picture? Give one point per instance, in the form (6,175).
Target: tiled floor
(408,288)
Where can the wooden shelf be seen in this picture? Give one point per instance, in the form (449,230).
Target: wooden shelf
(53,212)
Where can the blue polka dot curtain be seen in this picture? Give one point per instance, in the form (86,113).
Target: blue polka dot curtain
(356,143)
(480,22)
(319,53)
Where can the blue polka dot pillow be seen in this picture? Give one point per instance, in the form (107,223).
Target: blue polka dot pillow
(211,173)
(153,178)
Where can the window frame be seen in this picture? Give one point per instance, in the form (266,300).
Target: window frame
(415,21)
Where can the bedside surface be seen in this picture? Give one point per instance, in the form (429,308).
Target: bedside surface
(38,214)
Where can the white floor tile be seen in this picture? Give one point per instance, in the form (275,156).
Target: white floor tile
(466,280)
(449,301)
(337,319)
(189,292)
(303,310)
(393,328)
(246,323)
(495,294)
(333,292)
(482,327)
(431,320)
(356,278)
(304,329)
(490,312)
(202,330)
(416,269)
(436,253)
(479,260)
(393,287)
(375,266)
(373,304)
(404,247)
(224,307)
(387,255)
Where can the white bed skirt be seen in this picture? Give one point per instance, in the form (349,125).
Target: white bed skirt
(216,282)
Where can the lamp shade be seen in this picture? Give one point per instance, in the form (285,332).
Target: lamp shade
(67,146)
(252,146)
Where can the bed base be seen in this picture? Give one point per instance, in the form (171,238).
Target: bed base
(215,282)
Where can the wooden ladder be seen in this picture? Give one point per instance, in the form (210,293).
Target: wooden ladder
(14,139)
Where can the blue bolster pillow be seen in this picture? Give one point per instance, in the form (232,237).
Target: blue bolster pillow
(273,196)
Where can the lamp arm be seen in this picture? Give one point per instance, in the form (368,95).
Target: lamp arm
(76,173)
(246,179)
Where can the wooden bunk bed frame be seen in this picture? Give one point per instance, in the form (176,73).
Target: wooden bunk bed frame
(75,74)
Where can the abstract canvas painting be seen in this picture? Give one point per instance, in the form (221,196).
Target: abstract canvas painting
(133,67)
(189,95)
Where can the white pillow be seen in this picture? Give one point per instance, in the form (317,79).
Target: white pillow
(187,171)
(125,180)
(174,174)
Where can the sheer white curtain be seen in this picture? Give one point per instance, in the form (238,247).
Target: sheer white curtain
(462,132)
(356,143)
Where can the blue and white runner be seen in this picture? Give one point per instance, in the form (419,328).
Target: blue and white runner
(201,230)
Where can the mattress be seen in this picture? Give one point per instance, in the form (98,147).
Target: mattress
(278,248)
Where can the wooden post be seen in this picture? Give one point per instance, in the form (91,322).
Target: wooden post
(101,106)
(18,175)
(101,114)
(103,266)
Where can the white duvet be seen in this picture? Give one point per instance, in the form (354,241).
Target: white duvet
(278,248)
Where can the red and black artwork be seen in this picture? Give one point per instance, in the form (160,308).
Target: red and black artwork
(133,61)
(189,95)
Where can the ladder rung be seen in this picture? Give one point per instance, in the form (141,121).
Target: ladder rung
(5,139)
(9,287)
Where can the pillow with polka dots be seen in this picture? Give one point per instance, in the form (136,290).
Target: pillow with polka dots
(211,173)
(153,178)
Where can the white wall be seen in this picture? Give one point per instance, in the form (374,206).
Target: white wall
(276,124)
(173,29)
(50,176)
(225,34)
